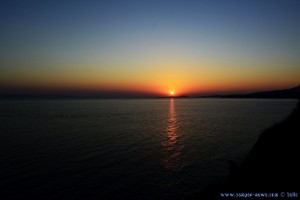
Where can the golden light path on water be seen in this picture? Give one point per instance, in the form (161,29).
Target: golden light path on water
(171,153)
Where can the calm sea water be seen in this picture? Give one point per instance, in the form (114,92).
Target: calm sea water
(126,148)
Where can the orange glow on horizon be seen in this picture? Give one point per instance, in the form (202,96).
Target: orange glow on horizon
(154,79)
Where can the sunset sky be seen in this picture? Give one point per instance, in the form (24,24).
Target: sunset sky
(148,48)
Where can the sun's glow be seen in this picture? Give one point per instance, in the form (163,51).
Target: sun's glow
(172,92)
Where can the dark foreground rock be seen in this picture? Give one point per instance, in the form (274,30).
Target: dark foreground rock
(272,166)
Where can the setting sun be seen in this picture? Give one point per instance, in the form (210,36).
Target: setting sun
(172,93)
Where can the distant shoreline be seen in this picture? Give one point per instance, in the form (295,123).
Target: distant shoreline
(7,98)
(291,93)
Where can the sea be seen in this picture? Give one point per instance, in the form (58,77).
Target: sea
(158,148)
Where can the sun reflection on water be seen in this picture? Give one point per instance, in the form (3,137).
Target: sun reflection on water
(171,148)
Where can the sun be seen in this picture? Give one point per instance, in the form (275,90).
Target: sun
(172,92)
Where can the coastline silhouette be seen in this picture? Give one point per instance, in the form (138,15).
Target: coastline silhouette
(289,93)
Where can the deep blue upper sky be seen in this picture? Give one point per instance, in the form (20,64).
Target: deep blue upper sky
(41,21)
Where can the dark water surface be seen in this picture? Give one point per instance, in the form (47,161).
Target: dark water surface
(126,148)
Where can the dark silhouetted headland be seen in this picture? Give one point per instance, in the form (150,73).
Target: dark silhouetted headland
(271,166)
(291,93)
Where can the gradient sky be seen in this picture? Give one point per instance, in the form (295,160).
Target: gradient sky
(148,47)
